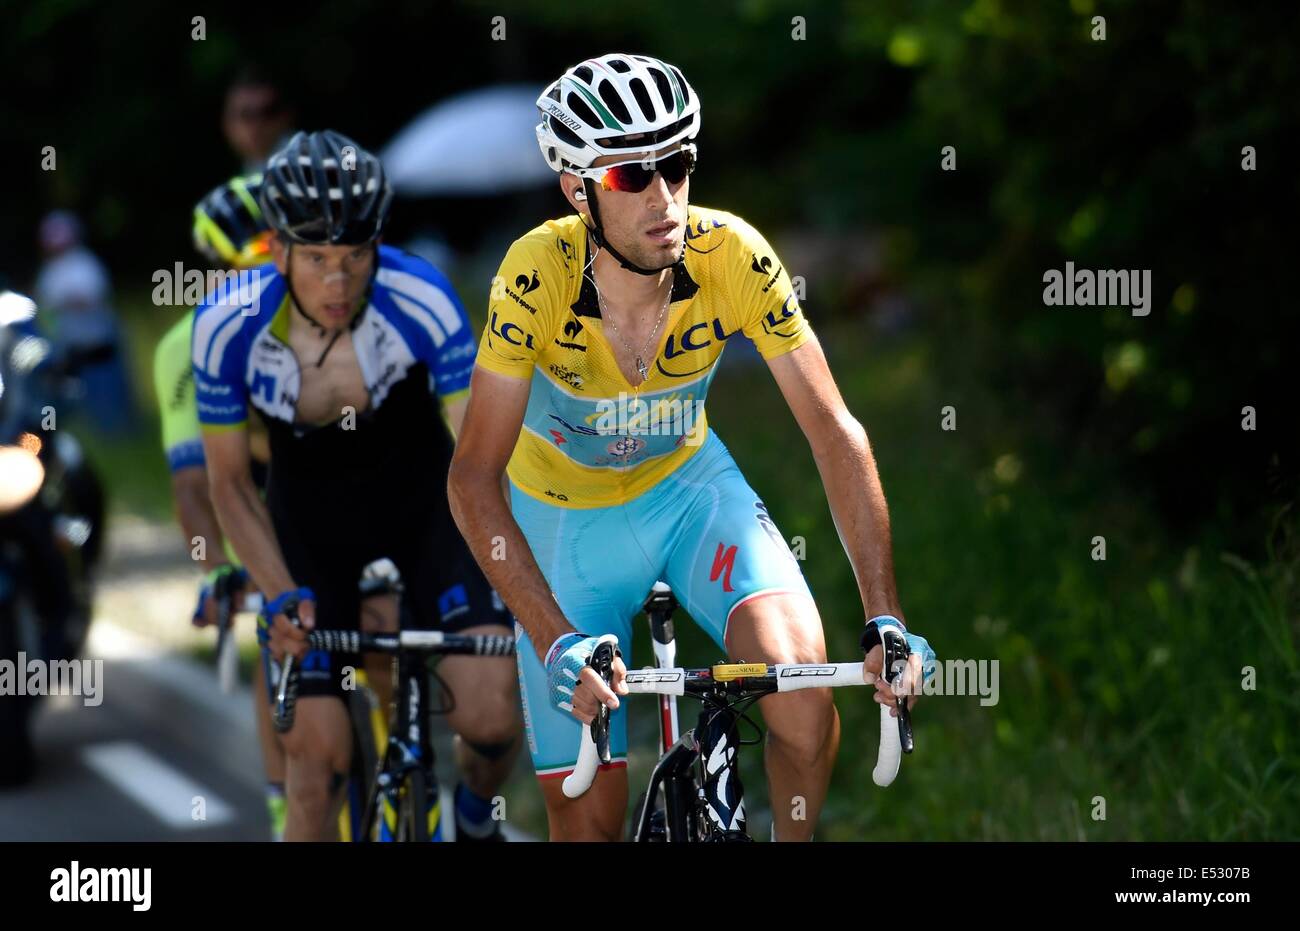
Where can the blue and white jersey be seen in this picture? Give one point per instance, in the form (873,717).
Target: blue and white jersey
(241,351)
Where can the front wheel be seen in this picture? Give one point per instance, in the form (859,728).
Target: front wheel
(413,813)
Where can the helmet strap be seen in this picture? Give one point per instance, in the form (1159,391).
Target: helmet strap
(356,317)
(597,234)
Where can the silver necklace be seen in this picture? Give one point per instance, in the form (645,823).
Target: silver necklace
(642,367)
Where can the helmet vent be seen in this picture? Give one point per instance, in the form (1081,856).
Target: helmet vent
(578,107)
(582,73)
(565,134)
(665,89)
(619,65)
(609,94)
(643,98)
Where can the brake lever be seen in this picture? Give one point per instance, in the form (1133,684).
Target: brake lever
(602,660)
(895,661)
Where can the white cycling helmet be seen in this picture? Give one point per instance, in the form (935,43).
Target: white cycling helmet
(613,105)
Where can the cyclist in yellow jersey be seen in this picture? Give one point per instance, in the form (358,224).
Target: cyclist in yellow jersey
(604,332)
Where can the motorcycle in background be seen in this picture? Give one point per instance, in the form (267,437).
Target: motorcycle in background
(51,525)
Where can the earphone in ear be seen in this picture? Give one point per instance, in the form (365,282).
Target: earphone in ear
(580,194)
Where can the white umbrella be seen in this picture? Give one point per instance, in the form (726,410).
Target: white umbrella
(479,142)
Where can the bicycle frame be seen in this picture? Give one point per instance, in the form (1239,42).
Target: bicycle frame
(410,747)
(717,794)
(406,771)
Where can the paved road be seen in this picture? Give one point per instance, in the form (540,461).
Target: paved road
(165,755)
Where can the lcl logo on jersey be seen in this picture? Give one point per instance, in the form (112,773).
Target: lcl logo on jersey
(789,310)
(566,250)
(694,337)
(703,228)
(508,331)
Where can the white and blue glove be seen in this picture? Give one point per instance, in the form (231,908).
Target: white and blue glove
(916,644)
(565,660)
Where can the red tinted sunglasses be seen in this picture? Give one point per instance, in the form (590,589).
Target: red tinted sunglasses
(633,177)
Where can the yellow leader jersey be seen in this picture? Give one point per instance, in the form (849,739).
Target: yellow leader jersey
(590,439)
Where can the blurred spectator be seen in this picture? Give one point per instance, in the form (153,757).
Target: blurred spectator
(73,291)
(256,120)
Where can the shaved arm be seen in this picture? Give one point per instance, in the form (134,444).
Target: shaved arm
(474,485)
(453,412)
(195,514)
(243,515)
(848,472)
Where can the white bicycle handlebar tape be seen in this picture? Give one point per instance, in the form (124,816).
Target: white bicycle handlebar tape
(891,750)
(789,677)
(584,771)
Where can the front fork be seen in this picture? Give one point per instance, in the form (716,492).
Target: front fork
(410,747)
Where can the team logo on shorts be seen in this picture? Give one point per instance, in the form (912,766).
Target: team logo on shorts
(625,446)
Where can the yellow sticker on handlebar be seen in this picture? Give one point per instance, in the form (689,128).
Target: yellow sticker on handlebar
(728,671)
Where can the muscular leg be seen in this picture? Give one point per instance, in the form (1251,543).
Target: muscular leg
(486,715)
(318,752)
(597,816)
(803,728)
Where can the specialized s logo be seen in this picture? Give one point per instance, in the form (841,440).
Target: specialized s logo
(525,284)
(723,561)
(764,267)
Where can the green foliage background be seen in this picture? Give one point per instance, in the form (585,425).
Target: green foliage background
(1120,679)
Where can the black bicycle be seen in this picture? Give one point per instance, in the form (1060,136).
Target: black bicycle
(397,805)
(695,793)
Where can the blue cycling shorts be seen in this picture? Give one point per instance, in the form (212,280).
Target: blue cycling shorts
(701,529)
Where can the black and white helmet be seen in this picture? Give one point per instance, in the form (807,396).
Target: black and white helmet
(324,189)
(613,105)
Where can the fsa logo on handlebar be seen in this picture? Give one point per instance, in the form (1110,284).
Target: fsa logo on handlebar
(650,676)
(805,671)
